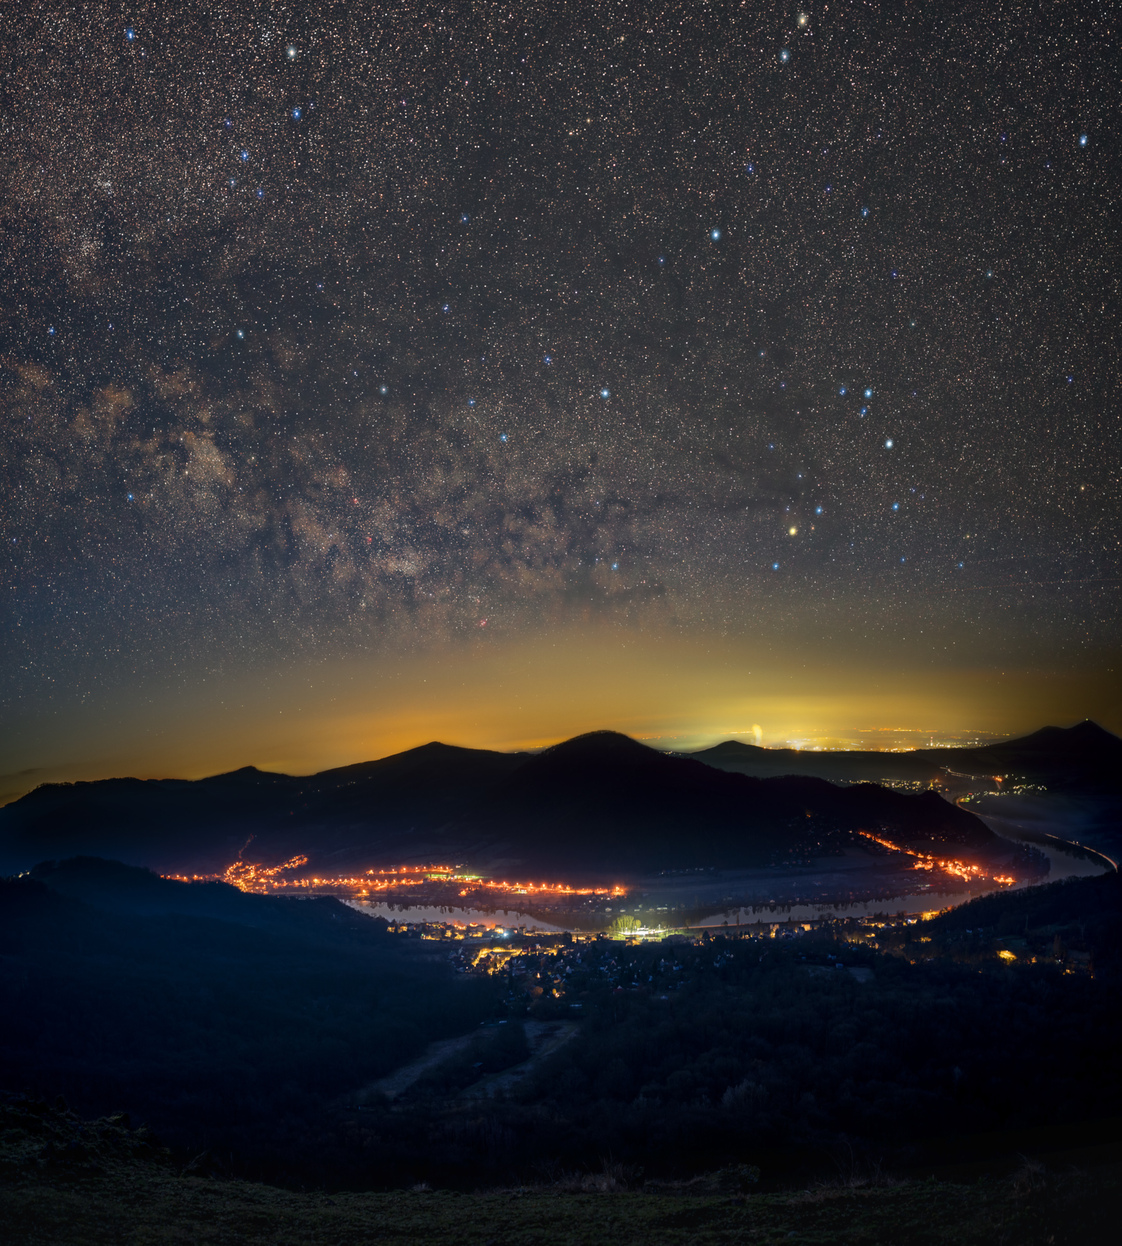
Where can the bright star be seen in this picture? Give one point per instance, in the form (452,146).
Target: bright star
(445,307)
(842,391)
(775,566)
(548,359)
(715,234)
(784,56)
(605,393)
(615,566)
(464,218)
(291,51)
(895,506)
(384,389)
(130,34)
(864,211)
(260,193)
(51,331)
(241,333)
(502,436)
(792,532)
(868,393)
(1083,140)
(818,510)
(296,113)
(244,155)
(130,497)
(888,444)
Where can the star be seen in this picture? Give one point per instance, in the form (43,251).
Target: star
(784,56)
(888,444)
(715,234)
(605,393)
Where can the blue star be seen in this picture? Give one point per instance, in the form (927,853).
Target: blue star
(662,259)
(842,391)
(615,566)
(130,34)
(464,218)
(818,510)
(750,168)
(502,436)
(241,333)
(227,123)
(895,506)
(715,234)
(384,389)
(233,182)
(864,410)
(244,155)
(1083,140)
(471,402)
(888,444)
(296,114)
(445,307)
(868,393)
(547,359)
(260,193)
(784,56)
(864,211)
(605,393)
(903,560)
(51,331)
(775,566)
(291,51)
(130,497)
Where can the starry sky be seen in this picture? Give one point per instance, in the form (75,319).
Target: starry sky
(370,373)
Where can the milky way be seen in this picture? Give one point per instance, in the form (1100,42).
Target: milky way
(342,328)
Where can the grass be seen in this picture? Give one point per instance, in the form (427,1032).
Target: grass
(70,1183)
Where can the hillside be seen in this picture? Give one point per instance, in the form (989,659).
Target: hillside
(598,805)
(1080,756)
(603,803)
(75,1182)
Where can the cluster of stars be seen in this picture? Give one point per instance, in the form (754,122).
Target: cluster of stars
(502,331)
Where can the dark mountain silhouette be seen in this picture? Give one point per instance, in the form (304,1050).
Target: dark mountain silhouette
(602,803)
(1064,757)
(596,805)
(376,811)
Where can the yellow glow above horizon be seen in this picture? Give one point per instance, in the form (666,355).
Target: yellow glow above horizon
(674,691)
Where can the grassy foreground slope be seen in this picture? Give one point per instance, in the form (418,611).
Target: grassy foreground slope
(64,1181)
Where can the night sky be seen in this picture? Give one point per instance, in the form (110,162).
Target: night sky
(371,373)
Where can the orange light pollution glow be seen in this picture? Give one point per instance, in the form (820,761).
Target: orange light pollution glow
(676,691)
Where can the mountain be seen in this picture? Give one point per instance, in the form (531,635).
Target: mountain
(602,804)
(596,805)
(381,810)
(1064,757)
